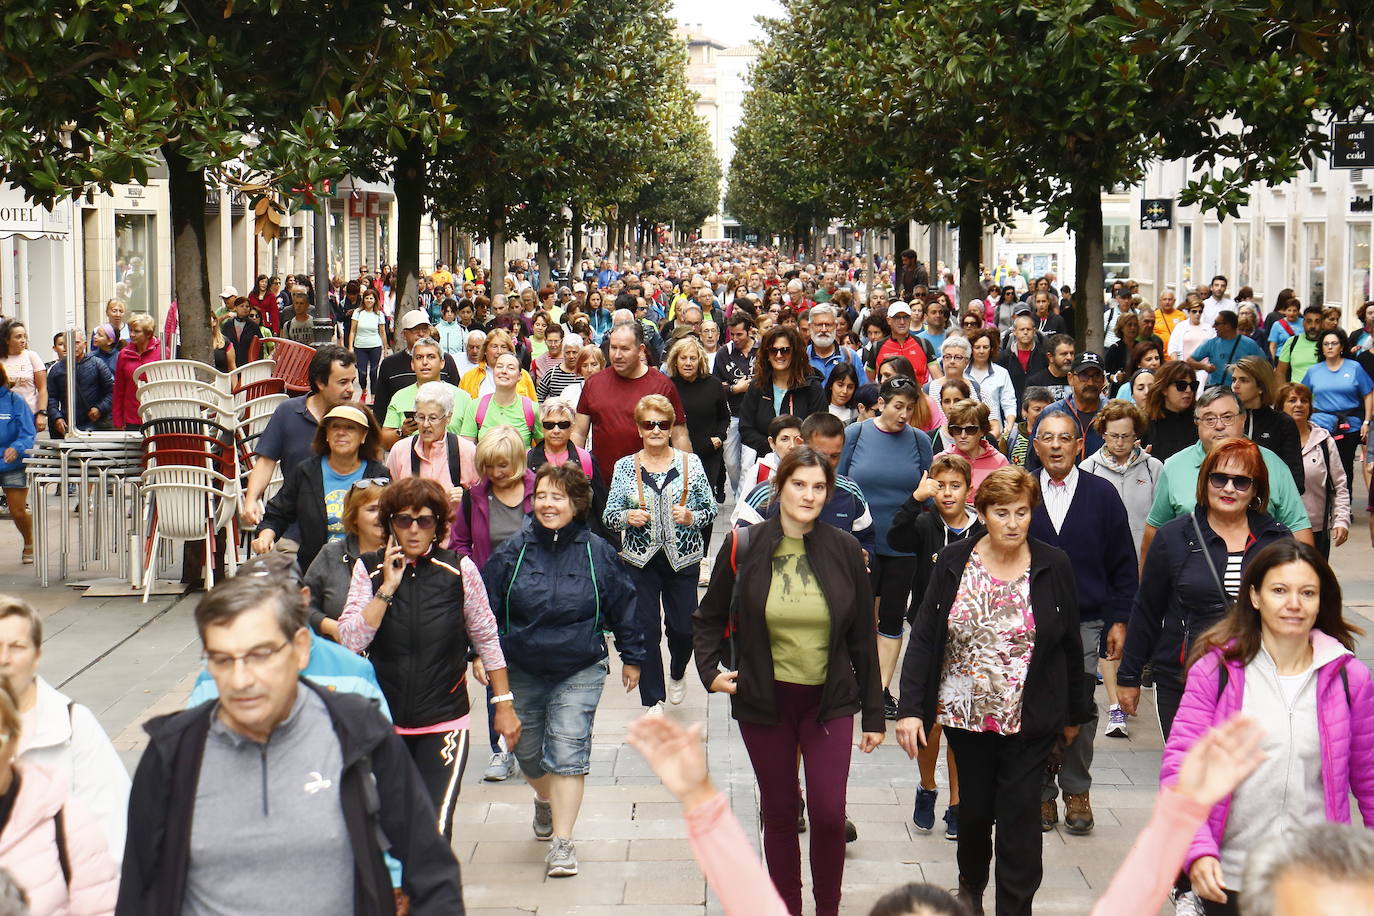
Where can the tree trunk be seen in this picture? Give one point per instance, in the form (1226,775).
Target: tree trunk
(496,231)
(542,262)
(970,254)
(191,274)
(1089,278)
(577,219)
(901,234)
(408,176)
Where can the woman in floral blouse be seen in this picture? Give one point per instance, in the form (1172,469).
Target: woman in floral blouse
(661,499)
(995,659)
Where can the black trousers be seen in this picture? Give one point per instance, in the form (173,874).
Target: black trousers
(441,758)
(999,784)
(1230,908)
(1168,694)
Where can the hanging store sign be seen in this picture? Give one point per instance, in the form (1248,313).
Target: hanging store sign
(25,219)
(1156,213)
(1352,145)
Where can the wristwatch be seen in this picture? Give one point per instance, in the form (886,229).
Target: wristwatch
(503,698)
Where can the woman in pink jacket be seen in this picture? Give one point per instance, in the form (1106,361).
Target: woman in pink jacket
(49,843)
(142,348)
(1282,655)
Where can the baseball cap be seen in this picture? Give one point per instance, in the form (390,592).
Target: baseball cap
(414,319)
(346,412)
(1086,361)
(898,308)
(1021,309)
(228,293)
(579,287)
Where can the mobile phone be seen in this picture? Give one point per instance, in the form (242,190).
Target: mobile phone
(410,414)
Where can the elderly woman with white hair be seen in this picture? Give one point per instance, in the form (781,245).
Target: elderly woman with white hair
(956,354)
(434,452)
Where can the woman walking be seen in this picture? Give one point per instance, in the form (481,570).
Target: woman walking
(795,593)
(661,500)
(704,405)
(996,660)
(1326,496)
(331,572)
(558,590)
(366,338)
(784,383)
(1169,408)
(1342,397)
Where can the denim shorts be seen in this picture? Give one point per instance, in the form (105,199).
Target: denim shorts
(556,719)
(14,480)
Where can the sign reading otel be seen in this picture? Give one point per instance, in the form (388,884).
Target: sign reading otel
(19,217)
(1352,145)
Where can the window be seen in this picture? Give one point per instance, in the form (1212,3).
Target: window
(1314,255)
(1185,262)
(1360,291)
(1116,248)
(135,273)
(1242,230)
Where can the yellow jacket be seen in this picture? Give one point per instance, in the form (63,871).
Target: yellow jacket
(473,378)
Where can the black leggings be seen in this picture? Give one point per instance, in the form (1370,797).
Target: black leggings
(892,585)
(441,758)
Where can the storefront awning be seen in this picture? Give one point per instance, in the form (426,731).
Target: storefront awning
(27,220)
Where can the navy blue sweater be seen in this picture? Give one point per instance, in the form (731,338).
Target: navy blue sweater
(1096,535)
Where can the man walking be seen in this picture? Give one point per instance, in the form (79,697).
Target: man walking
(735,369)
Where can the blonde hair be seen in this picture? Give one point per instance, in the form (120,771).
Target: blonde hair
(498,335)
(142,321)
(654,403)
(500,443)
(689,342)
(11,722)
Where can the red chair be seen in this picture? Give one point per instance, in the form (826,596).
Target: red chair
(252,390)
(293,364)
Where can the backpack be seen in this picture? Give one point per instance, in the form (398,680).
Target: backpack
(1224,678)
(455,472)
(485,402)
(584,458)
(738,536)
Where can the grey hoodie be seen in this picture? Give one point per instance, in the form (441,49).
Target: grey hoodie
(1135,481)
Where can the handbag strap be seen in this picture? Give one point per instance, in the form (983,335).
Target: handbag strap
(1211,566)
(639,481)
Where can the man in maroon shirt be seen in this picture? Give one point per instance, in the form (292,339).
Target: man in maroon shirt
(608,401)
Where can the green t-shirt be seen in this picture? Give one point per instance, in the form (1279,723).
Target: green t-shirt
(1300,354)
(512,415)
(404,400)
(798,617)
(1176,494)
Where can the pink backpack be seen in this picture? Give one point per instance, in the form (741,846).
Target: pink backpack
(485,402)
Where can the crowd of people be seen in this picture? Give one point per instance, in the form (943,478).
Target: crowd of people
(945,518)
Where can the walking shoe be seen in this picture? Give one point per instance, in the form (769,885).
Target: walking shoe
(889,706)
(1078,813)
(801,818)
(1147,675)
(1116,723)
(923,815)
(502,767)
(970,898)
(1049,815)
(562,858)
(1186,903)
(851,833)
(655,710)
(952,822)
(543,820)
(677,689)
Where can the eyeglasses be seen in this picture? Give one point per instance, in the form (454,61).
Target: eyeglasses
(558,424)
(428,418)
(964,430)
(422,522)
(779,351)
(371,482)
(1218,422)
(647,425)
(1060,439)
(1240,482)
(255,660)
(1181,385)
(1120,437)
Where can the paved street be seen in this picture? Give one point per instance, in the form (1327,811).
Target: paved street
(129,661)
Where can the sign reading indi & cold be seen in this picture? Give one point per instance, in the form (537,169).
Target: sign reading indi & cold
(1352,145)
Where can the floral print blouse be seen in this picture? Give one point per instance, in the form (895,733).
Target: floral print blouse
(988,651)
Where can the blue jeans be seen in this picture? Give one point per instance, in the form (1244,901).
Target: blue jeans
(556,719)
(369,361)
(658,585)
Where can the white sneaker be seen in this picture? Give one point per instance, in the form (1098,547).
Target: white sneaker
(677,690)
(1186,904)
(654,710)
(502,767)
(704,577)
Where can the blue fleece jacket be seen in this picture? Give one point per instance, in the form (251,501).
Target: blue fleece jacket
(17,429)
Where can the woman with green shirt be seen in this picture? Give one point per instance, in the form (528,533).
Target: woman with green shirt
(366,337)
(505,406)
(795,593)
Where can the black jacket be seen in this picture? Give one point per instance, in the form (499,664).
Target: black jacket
(853,683)
(1007,360)
(556,594)
(732,366)
(1277,432)
(1171,433)
(382,794)
(757,410)
(1178,598)
(94,388)
(1057,691)
(421,648)
(922,532)
(301,500)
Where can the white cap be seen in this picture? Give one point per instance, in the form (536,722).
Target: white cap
(413,319)
(579,287)
(229,293)
(898,308)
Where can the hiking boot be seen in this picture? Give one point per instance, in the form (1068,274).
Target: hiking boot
(923,815)
(502,767)
(562,858)
(889,707)
(1049,815)
(970,898)
(1078,813)
(851,833)
(1116,723)
(952,822)
(543,820)
(801,818)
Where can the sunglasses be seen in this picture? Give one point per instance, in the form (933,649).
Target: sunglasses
(964,430)
(780,351)
(901,381)
(423,522)
(558,424)
(664,425)
(1181,386)
(371,482)
(1219,481)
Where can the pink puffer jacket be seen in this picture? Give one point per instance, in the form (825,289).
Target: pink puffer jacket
(28,849)
(1346,729)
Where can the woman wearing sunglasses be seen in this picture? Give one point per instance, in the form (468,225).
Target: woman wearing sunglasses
(1169,408)
(1193,570)
(331,573)
(784,383)
(969,429)
(556,418)
(418,610)
(348,442)
(661,500)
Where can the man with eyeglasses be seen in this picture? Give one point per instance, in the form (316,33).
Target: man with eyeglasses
(427,362)
(1082,404)
(825,351)
(1219,416)
(1083,515)
(322,768)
